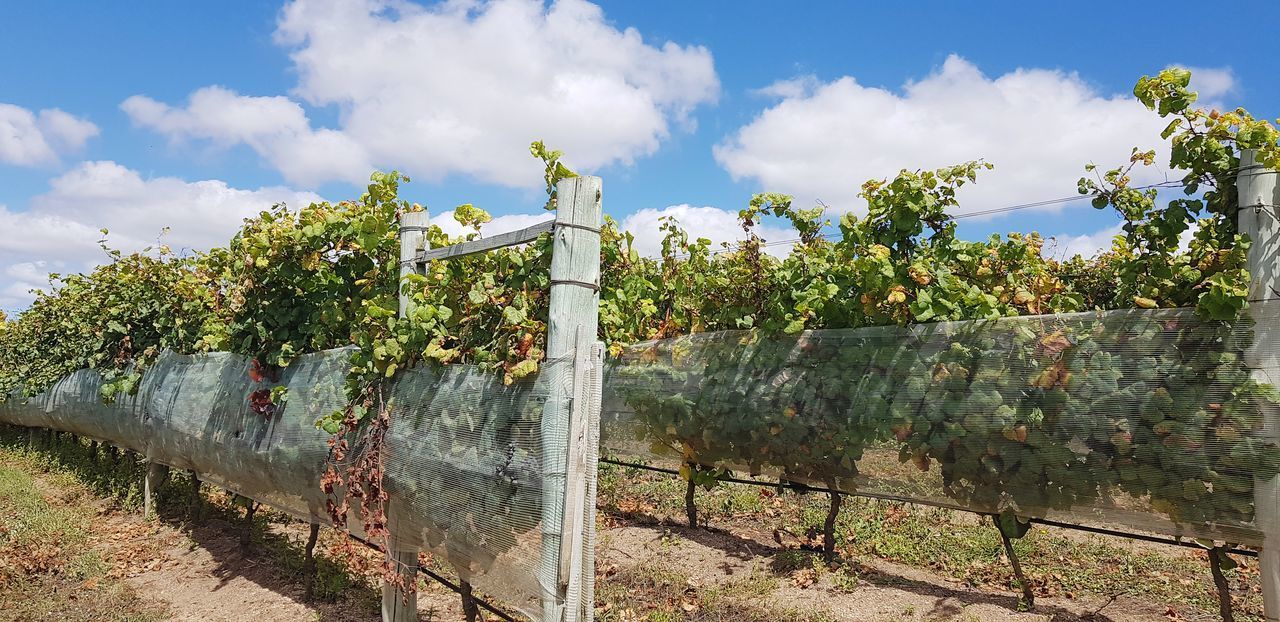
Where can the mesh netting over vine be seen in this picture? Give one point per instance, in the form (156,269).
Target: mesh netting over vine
(1146,419)
(464,462)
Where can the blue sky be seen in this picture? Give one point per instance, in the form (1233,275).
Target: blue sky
(195,115)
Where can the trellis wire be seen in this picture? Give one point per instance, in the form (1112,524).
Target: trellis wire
(798,487)
(445,582)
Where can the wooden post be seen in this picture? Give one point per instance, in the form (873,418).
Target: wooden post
(574,310)
(592,458)
(1258,215)
(577,547)
(569,427)
(401,605)
(196,509)
(31,439)
(413,229)
(156,474)
(400,602)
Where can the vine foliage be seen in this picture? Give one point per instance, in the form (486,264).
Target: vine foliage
(326,275)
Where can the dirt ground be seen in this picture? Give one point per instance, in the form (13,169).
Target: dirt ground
(884,591)
(648,569)
(203,575)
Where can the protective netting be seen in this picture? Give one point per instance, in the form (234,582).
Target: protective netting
(1153,420)
(1147,419)
(465,460)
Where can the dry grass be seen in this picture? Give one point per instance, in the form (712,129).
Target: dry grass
(47,569)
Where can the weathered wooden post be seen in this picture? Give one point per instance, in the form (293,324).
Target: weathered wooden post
(572,327)
(148,493)
(570,419)
(577,548)
(413,234)
(196,509)
(1259,218)
(156,475)
(591,454)
(400,602)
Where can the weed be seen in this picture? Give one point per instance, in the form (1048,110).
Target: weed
(44,533)
(845,580)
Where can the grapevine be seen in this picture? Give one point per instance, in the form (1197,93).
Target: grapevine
(721,351)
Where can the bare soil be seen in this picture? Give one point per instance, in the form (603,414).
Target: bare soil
(883,590)
(202,574)
(205,575)
(649,569)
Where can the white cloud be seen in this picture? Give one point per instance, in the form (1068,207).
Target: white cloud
(1212,82)
(20,279)
(499,224)
(1039,127)
(29,272)
(460,87)
(36,139)
(713,223)
(275,127)
(794,87)
(1087,245)
(60,229)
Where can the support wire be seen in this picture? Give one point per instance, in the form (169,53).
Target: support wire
(798,487)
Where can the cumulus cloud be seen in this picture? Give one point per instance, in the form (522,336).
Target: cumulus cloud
(60,229)
(499,224)
(1039,127)
(791,88)
(36,139)
(454,88)
(274,127)
(1086,245)
(713,223)
(1089,244)
(19,280)
(1212,82)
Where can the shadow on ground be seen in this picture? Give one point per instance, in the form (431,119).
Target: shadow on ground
(948,602)
(273,560)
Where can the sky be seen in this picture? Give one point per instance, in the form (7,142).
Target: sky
(139,116)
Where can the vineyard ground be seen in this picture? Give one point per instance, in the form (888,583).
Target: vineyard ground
(95,559)
(898,562)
